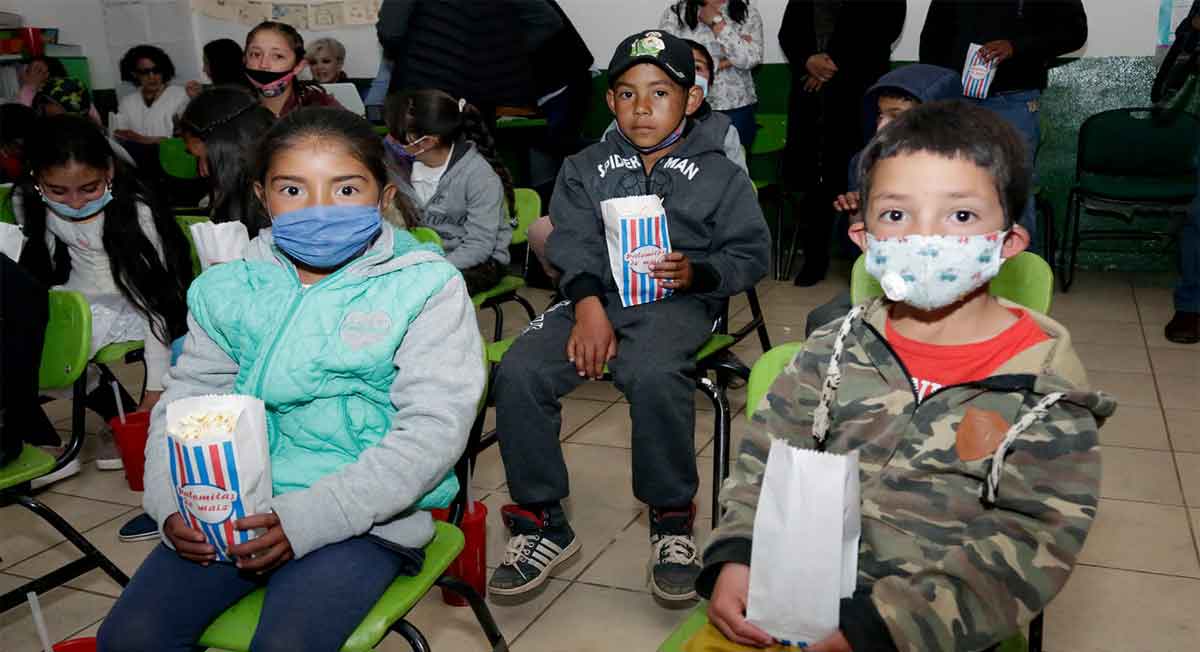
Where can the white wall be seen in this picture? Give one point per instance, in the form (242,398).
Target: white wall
(1118,28)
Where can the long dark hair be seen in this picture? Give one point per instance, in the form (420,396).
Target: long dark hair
(688,11)
(299,87)
(230,121)
(157,288)
(428,112)
(156,56)
(328,123)
(225,62)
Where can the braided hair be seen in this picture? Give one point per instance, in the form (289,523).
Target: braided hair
(419,113)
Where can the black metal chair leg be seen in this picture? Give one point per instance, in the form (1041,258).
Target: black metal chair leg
(1074,216)
(1035,632)
(416,640)
(721,437)
(479,606)
(526,305)
(76,539)
(756,312)
(499,330)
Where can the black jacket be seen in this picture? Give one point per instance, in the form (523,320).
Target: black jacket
(1181,60)
(713,216)
(468,48)
(1040,31)
(562,58)
(861,44)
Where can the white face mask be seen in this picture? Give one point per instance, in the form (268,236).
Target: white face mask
(929,272)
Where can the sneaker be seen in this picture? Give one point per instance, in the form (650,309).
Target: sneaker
(72,468)
(108,458)
(539,542)
(674,558)
(141,528)
(1184,328)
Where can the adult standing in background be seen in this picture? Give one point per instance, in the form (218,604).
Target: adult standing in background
(1022,38)
(837,49)
(731,31)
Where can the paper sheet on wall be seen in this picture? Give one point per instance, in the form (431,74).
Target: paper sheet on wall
(362,12)
(218,9)
(126,24)
(253,13)
(326,15)
(291,14)
(167,24)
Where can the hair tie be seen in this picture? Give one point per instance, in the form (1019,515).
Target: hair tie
(462,104)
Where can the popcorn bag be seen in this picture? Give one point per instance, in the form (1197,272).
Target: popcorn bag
(219,243)
(977,73)
(220,464)
(636,230)
(12,240)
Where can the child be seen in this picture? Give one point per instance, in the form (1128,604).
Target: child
(373,363)
(16,123)
(68,96)
(219,127)
(720,247)
(972,417)
(274,56)
(95,228)
(444,161)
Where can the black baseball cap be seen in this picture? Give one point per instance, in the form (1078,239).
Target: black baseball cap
(660,48)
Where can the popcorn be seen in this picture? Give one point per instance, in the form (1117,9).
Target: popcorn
(204,425)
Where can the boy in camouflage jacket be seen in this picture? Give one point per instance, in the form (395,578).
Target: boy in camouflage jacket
(977,492)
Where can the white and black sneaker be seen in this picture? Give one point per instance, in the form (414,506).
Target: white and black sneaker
(540,541)
(674,558)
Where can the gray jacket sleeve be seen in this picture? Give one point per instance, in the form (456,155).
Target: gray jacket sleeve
(741,244)
(485,211)
(734,150)
(439,381)
(577,244)
(202,368)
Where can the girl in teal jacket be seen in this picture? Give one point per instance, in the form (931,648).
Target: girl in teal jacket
(363,345)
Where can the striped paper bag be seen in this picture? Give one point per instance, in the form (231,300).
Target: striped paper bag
(977,73)
(220,464)
(637,235)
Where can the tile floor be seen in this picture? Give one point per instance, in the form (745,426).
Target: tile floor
(1137,586)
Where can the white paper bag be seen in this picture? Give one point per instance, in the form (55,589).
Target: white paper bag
(219,478)
(637,235)
(805,554)
(978,73)
(219,243)
(11,241)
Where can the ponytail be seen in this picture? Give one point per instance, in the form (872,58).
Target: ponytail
(475,130)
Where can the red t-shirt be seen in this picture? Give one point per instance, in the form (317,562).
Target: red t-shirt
(935,366)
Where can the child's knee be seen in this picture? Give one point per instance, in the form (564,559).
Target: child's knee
(650,377)
(127,631)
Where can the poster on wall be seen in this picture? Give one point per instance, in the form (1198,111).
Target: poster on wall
(317,15)
(1170,14)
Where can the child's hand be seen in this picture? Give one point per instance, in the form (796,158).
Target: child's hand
(188,541)
(149,400)
(194,88)
(727,610)
(846,203)
(593,342)
(264,553)
(675,271)
(835,643)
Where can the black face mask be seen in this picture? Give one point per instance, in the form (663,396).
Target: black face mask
(265,77)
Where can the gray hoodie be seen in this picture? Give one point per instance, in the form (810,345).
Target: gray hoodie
(435,395)
(468,210)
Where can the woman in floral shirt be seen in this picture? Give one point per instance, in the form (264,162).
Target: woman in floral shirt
(732,32)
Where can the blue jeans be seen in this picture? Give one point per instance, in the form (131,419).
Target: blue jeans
(1020,109)
(743,120)
(313,603)
(1187,291)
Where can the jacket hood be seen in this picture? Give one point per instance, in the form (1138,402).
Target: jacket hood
(462,149)
(394,249)
(923,81)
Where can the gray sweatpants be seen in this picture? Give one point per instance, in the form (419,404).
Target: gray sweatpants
(655,344)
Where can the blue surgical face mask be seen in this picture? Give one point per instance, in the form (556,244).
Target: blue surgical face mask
(324,237)
(703,84)
(83,212)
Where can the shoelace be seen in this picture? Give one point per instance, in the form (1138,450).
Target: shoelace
(676,549)
(519,548)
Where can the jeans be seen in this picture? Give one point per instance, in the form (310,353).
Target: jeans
(313,603)
(743,120)
(1021,110)
(1187,291)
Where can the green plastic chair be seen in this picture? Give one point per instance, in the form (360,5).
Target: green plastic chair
(185,223)
(65,352)
(764,372)
(1129,160)
(1025,279)
(765,162)
(426,235)
(529,209)
(175,159)
(7,216)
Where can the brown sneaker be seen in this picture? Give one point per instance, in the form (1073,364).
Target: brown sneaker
(1184,328)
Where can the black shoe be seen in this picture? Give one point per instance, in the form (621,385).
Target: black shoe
(141,528)
(540,541)
(1184,328)
(674,558)
(811,273)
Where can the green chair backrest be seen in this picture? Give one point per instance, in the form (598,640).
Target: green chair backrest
(529,209)
(763,375)
(175,159)
(7,216)
(68,343)
(185,222)
(1025,279)
(1138,143)
(426,235)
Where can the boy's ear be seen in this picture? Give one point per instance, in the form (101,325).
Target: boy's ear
(1016,242)
(858,233)
(611,98)
(695,97)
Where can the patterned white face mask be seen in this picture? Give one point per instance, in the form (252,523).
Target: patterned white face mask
(929,272)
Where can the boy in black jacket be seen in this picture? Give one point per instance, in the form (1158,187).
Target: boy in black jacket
(1022,37)
(720,247)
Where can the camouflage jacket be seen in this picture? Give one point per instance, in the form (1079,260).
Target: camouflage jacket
(975,502)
